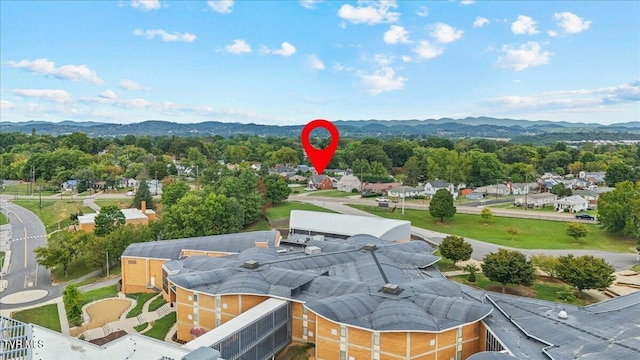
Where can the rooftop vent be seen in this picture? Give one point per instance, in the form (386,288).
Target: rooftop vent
(370,247)
(312,250)
(318,237)
(563,315)
(393,289)
(251,264)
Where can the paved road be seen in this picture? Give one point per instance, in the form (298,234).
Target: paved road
(620,261)
(28,232)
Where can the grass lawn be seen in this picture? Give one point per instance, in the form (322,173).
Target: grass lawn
(121,203)
(2,254)
(140,327)
(141,299)
(46,316)
(97,294)
(445,264)
(162,326)
(532,234)
(635,267)
(23,189)
(157,303)
(258,226)
(295,351)
(3,219)
(114,271)
(333,193)
(52,212)
(544,290)
(281,211)
(76,269)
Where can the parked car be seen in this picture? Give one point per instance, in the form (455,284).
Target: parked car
(585,217)
(381,199)
(130,193)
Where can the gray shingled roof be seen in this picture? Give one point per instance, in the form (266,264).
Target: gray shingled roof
(170,249)
(343,283)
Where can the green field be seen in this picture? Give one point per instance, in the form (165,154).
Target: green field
(259,225)
(25,189)
(543,290)
(121,203)
(281,211)
(162,326)
(157,303)
(3,219)
(532,234)
(2,254)
(333,193)
(46,316)
(54,212)
(547,209)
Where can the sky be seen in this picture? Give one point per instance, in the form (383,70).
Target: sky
(290,62)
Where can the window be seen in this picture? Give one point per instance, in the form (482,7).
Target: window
(195,318)
(343,355)
(195,297)
(376,339)
(132,262)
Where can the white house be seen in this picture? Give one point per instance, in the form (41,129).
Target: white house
(348,183)
(431,187)
(522,188)
(535,200)
(572,204)
(404,192)
(498,189)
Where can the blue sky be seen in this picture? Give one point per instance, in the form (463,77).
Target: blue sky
(294,61)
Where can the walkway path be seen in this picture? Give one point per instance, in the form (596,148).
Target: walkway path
(90,202)
(62,315)
(620,261)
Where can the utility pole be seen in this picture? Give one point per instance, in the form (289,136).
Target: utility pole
(403,196)
(526,191)
(40,190)
(107,264)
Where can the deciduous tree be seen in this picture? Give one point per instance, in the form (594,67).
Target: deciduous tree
(486,214)
(546,263)
(108,219)
(619,210)
(585,272)
(276,187)
(441,205)
(455,248)
(576,230)
(507,266)
(72,302)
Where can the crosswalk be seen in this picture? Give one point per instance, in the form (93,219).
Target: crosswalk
(30,237)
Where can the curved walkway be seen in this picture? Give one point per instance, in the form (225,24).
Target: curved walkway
(620,261)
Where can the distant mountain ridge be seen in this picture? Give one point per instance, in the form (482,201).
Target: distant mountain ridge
(445,127)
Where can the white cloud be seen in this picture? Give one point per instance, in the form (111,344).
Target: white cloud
(524,56)
(480,22)
(4,104)
(552,33)
(238,47)
(339,67)
(524,25)
(129,85)
(571,23)
(370,12)
(467,2)
(406,58)
(66,72)
(309,4)
(152,33)
(314,62)
(422,11)
(221,6)
(396,34)
(108,94)
(286,50)
(146,5)
(58,96)
(383,59)
(427,50)
(382,80)
(444,33)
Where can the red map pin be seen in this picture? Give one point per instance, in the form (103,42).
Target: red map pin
(320,158)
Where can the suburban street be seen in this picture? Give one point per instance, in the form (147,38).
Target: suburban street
(28,232)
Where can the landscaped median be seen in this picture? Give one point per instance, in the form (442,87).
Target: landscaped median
(512,232)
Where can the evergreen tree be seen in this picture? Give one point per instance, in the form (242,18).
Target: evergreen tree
(143,194)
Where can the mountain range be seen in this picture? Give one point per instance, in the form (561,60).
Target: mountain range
(473,127)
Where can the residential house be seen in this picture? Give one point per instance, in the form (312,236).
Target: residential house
(99,185)
(535,200)
(298,178)
(572,204)
(431,187)
(338,172)
(404,192)
(320,182)
(589,195)
(379,188)
(132,216)
(493,190)
(474,196)
(596,177)
(256,166)
(70,185)
(348,183)
(522,188)
(334,183)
